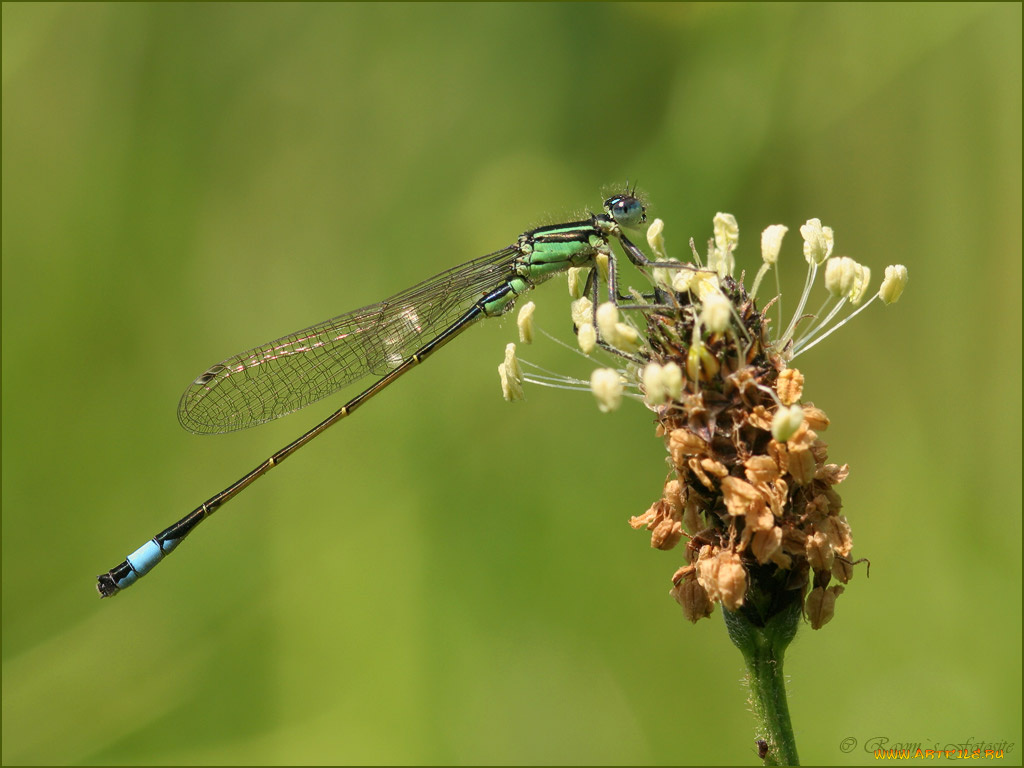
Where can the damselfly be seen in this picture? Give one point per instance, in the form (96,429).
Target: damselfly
(386,339)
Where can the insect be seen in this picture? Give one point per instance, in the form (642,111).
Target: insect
(386,339)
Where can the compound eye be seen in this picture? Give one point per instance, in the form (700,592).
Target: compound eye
(626,210)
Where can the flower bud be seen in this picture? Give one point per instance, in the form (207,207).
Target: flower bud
(701,364)
(786,422)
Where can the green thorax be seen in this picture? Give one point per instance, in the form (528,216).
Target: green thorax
(550,250)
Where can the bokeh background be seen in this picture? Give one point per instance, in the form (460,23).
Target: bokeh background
(448,578)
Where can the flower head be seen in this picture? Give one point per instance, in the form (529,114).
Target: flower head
(751,491)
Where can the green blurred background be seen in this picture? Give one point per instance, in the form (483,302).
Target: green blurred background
(449,578)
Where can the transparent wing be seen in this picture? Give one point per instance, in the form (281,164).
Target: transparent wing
(279,377)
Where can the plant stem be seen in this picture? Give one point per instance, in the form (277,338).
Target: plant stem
(763,647)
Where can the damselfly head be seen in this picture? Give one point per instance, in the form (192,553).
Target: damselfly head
(626,209)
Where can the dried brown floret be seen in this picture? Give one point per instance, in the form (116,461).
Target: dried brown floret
(816,418)
(693,598)
(820,605)
(790,386)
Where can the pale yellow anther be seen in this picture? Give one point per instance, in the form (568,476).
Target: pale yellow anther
(625,337)
(511,376)
(577,277)
(676,279)
(606,384)
(672,376)
(844,277)
(818,241)
(607,318)
(582,311)
(703,284)
(727,237)
(893,283)
(656,239)
(662,383)
(525,322)
(727,231)
(683,279)
(586,335)
(771,242)
(716,312)
(601,260)
(861,279)
(839,275)
(654,388)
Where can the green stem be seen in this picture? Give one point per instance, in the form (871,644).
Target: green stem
(763,646)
